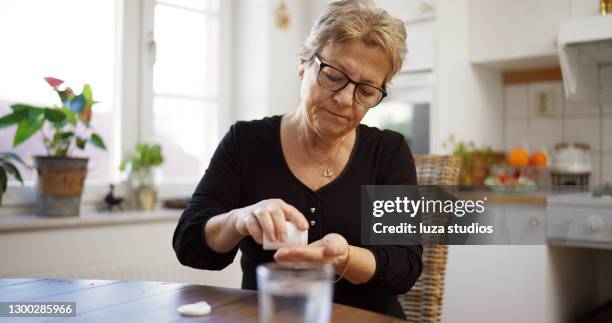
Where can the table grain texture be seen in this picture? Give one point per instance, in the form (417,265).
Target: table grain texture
(142,301)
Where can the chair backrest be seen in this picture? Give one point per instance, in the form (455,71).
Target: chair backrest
(437,169)
(423,303)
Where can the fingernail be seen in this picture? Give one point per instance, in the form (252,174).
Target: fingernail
(283,237)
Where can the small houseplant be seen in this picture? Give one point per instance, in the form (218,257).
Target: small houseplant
(475,162)
(141,165)
(8,167)
(62,129)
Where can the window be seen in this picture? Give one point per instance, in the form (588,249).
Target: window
(185,86)
(407,110)
(409,119)
(177,101)
(63,39)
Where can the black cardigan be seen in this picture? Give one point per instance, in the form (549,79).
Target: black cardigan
(248,166)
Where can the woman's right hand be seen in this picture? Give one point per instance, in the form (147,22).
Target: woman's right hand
(269,218)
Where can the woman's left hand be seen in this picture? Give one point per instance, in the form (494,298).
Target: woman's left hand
(332,249)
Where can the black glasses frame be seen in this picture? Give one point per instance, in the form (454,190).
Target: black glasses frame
(348,80)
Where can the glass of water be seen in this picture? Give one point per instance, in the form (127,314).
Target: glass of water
(297,292)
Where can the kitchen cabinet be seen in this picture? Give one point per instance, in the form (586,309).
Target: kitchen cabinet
(580,219)
(421,46)
(515,34)
(520,224)
(419,18)
(584,8)
(530,283)
(408,10)
(519,283)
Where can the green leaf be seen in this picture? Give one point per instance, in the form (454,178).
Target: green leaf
(124,163)
(62,152)
(87,94)
(8,155)
(70,116)
(11,169)
(26,128)
(56,139)
(80,142)
(66,135)
(3,179)
(13,118)
(47,142)
(54,115)
(21,107)
(34,112)
(146,156)
(97,141)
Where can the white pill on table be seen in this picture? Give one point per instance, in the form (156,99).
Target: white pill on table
(195,309)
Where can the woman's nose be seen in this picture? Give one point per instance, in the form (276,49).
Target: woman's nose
(345,96)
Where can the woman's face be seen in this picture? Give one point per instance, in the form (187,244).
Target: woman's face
(334,114)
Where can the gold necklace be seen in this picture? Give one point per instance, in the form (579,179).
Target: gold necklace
(328,172)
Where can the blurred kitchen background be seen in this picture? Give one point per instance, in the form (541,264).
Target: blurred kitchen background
(521,90)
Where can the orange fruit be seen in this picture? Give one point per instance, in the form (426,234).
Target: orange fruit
(539,158)
(518,157)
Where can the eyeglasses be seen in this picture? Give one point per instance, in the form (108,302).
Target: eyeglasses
(333,79)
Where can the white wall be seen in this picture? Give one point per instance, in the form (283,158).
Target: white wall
(468,99)
(141,251)
(250,86)
(283,62)
(265,58)
(526,127)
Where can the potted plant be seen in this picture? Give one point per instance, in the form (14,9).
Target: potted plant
(141,165)
(62,129)
(475,162)
(8,167)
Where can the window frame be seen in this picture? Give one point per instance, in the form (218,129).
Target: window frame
(134,52)
(147,93)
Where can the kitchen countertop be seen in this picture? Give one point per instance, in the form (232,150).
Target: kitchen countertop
(527,198)
(13,223)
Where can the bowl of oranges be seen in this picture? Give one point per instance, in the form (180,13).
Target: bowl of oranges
(520,172)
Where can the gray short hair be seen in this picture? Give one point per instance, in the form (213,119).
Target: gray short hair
(347,20)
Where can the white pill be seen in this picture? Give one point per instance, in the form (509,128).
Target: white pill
(195,309)
(295,238)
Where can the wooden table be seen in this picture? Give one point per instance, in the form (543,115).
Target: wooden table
(140,301)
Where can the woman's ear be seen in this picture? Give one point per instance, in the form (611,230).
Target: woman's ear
(301,68)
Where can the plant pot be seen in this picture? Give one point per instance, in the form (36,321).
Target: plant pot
(147,198)
(479,169)
(143,177)
(1,192)
(59,185)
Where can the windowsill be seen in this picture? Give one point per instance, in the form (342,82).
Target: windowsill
(15,223)
(19,200)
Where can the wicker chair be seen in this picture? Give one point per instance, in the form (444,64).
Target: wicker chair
(423,303)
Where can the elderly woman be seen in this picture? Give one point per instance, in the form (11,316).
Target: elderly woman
(307,167)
